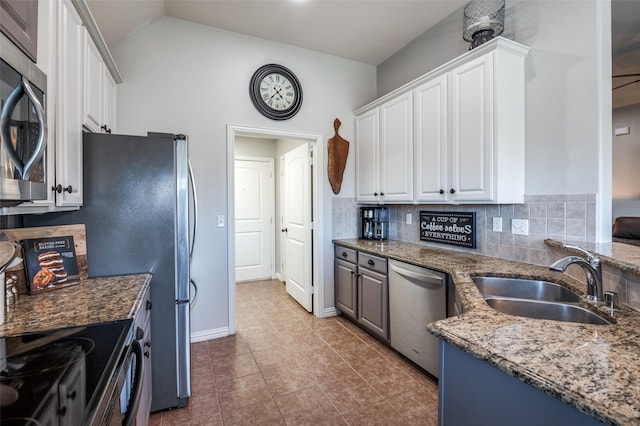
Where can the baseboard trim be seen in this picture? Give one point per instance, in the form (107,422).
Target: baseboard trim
(329,312)
(216,333)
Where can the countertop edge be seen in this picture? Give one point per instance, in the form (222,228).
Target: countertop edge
(91,301)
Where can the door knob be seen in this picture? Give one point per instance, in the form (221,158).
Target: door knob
(59,189)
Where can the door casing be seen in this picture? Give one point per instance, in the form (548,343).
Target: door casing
(319,238)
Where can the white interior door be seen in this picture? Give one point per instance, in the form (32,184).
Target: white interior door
(296,200)
(254,211)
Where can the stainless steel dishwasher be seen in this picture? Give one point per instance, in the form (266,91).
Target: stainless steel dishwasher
(417,296)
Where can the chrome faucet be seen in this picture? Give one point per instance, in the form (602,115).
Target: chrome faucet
(591,267)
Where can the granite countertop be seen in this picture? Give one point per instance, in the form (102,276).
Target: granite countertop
(625,257)
(594,368)
(90,301)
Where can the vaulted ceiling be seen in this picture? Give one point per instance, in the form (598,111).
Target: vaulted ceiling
(368,31)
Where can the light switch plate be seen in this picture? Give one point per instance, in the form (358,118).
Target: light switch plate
(520,226)
(497,224)
(220,221)
(409,219)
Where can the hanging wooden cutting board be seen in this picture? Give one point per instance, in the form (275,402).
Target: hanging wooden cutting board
(338,152)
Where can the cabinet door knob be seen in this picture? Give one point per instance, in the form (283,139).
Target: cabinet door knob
(139,333)
(344,254)
(59,189)
(146,354)
(371,262)
(105,128)
(375,194)
(382,194)
(72,395)
(453,191)
(284,230)
(149,305)
(441,191)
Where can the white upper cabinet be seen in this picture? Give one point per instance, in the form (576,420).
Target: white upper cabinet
(99,91)
(93,86)
(432,141)
(472,150)
(367,154)
(396,149)
(468,131)
(384,152)
(71,40)
(109,103)
(81,93)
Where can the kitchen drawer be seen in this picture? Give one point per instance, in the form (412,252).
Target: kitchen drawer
(144,313)
(374,263)
(347,254)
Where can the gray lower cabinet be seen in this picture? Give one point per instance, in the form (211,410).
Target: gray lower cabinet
(362,289)
(345,271)
(473,392)
(373,295)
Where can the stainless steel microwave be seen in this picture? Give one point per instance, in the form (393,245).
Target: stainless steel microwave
(23,128)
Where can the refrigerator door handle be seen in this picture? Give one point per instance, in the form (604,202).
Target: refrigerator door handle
(195,228)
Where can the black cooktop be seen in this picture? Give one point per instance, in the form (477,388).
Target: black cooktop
(58,373)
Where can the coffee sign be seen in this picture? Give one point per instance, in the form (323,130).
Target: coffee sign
(453,228)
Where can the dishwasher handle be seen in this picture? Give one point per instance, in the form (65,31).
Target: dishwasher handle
(424,279)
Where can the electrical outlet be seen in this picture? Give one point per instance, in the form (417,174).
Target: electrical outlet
(220,221)
(497,224)
(409,219)
(520,226)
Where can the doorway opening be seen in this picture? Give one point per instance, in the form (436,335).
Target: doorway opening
(274,198)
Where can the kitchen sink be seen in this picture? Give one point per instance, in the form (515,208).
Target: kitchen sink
(545,310)
(520,288)
(535,299)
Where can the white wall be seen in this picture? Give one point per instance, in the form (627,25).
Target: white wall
(189,78)
(568,90)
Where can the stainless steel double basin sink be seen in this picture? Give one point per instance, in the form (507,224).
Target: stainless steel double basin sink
(535,299)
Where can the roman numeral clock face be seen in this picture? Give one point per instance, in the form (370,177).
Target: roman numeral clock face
(275,92)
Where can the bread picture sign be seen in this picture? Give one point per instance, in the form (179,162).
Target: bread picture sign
(50,263)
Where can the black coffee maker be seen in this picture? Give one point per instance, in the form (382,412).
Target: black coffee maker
(374,223)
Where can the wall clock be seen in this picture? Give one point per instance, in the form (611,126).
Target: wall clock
(275,92)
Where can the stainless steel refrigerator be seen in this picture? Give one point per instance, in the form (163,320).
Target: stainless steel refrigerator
(136,209)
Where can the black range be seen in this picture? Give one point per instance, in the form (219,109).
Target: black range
(67,376)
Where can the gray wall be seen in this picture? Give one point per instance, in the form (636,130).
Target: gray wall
(568,90)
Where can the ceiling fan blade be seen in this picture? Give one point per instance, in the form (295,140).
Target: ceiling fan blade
(626,75)
(626,84)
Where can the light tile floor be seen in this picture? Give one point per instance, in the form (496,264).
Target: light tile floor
(285,366)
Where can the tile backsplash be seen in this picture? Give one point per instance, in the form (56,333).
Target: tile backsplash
(561,217)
